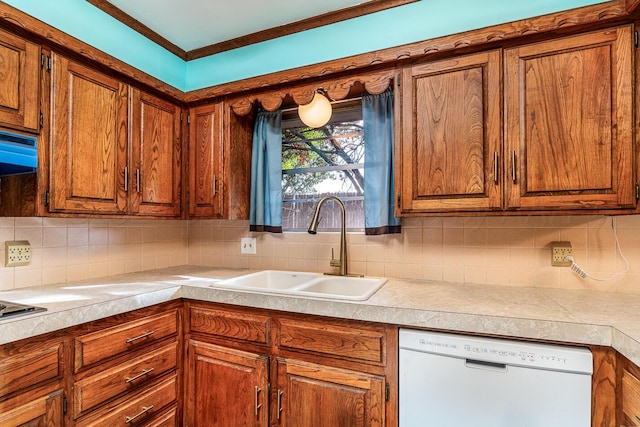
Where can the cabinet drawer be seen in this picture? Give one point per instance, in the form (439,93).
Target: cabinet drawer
(136,409)
(333,340)
(104,344)
(227,324)
(30,368)
(631,397)
(169,419)
(97,389)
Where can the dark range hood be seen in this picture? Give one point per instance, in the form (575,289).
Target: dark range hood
(18,153)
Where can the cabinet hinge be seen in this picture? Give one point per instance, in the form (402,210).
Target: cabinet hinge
(398,200)
(635,39)
(637,191)
(387,392)
(64,404)
(46,198)
(41,120)
(45,62)
(188,118)
(398,80)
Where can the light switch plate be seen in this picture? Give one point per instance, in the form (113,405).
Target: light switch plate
(248,245)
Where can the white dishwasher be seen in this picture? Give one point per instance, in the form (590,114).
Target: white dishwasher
(449,380)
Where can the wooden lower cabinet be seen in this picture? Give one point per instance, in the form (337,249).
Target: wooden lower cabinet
(630,395)
(33,410)
(226,387)
(313,395)
(287,370)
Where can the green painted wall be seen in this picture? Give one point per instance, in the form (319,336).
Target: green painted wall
(418,21)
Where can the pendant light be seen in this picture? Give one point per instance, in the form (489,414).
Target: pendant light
(316,113)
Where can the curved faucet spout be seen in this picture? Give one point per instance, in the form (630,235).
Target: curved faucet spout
(313,229)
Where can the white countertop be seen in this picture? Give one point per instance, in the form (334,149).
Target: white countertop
(575,316)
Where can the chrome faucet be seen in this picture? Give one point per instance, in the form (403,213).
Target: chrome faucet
(313,229)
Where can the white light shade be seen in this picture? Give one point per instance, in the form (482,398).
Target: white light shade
(316,113)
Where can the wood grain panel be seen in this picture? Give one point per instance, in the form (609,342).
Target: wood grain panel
(30,369)
(88,139)
(206,148)
(449,110)
(140,407)
(246,327)
(240,392)
(333,340)
(449,142)
(107,343)
(156,153)
(44,410)
(338,397)
(19,82)
(560,153)
(603,387)
(631,397)
(97,389)
(568,122)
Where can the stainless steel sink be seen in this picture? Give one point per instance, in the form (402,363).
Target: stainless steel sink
(305,284)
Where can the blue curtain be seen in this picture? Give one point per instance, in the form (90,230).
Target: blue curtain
(266,173)
(377,115)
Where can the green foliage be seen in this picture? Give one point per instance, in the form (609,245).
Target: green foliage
(332,144)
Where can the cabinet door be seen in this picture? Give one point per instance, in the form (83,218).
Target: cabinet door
(206,162)
(88,140)
(568,122)
(19,82)
(450,135)
(311,395)
(226,387)
(41,411)
(154,184)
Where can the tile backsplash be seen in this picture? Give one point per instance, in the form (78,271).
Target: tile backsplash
(72,249)
(511,251)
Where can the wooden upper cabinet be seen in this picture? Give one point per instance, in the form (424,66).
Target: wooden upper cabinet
(19,83)
(450,135)
(206,147)
(88,139)
(568,122)
(156,150)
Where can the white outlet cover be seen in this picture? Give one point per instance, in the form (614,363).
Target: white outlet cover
(248,245)
(17,253)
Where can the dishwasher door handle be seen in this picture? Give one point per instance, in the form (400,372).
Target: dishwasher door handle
(487,366)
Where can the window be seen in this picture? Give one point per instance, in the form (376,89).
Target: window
(321,162)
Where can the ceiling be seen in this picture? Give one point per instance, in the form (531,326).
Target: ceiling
(195,24)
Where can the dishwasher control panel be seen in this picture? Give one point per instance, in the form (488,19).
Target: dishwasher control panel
(499,351)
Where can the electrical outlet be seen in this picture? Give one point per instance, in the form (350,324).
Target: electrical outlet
(17,253)
(560,251)
(248,245)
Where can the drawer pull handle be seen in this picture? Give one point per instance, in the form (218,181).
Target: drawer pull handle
(139,337)
(279,404)
(145,409)
(257,405)
(141,374)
